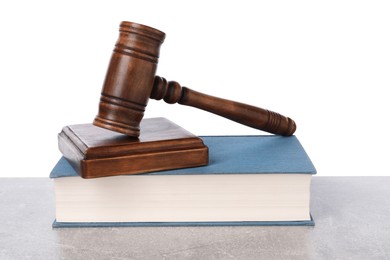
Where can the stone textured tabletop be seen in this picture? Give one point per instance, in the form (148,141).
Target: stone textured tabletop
(351,213)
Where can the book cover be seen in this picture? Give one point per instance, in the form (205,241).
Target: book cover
(283,159)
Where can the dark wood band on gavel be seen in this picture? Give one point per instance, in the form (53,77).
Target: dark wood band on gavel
(171,92)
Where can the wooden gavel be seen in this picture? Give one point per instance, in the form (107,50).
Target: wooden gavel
(131,81)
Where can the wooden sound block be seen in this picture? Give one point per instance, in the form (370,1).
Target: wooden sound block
(98,152)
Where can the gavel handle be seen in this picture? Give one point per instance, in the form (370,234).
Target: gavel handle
(251,116)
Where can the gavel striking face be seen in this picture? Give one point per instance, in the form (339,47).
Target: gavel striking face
(131,81)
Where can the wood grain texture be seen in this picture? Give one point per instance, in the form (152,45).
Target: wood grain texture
(131,80)
(97,152)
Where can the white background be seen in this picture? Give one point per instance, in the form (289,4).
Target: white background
(325,64)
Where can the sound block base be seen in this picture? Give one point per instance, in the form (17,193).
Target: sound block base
(97,152)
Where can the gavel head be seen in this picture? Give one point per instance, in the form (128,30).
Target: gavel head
(129,79)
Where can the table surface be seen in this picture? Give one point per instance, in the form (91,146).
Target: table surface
(351,214)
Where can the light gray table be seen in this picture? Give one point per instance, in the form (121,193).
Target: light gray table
(352,216)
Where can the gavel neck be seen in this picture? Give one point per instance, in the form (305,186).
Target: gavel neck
(170,91)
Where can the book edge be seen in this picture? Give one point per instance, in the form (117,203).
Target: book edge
(181,224)
(54,174)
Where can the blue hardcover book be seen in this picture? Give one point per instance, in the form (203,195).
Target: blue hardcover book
(250,180)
